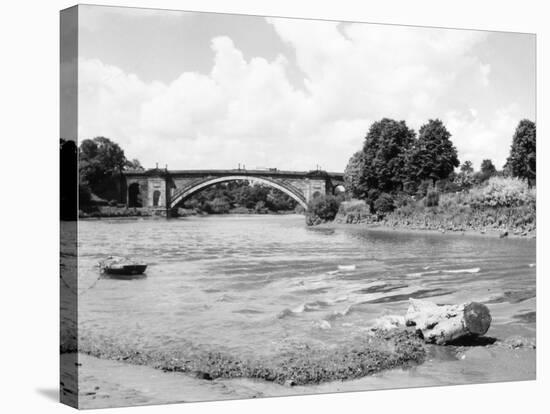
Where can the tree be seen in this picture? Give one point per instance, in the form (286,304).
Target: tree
(384,156)
(487,170)
(434,156)
(99,159)
(522,161)
(134,165)
(219,205)
(322,208)
(352,174)
(467,167)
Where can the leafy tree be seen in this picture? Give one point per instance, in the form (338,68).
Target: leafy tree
(99,159)
(487,170)
(487,167)
(323,208)
(353,173)
(522,161)
(434,156)
(260,207)
(384,156)
(219,205)
(233,194)
(134,165)
(467,167)
(384,204)
(465,178)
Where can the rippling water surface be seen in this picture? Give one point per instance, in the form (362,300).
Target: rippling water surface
(259,285)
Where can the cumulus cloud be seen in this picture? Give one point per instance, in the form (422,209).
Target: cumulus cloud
(249,111)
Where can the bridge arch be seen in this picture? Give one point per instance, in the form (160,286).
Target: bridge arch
(194,187)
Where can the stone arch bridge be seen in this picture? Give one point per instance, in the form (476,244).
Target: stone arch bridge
(164,190)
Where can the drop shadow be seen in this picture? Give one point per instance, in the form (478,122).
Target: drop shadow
(51,394)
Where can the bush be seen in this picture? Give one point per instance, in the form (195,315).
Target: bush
(219,206)
(432,198)
(260,208)
(503,192)
(324,207)
(240,210)
(402,199)
(423,188)
(447,186)
(384,204)
(354,206)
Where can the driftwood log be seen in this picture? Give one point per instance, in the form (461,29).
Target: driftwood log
(441,324)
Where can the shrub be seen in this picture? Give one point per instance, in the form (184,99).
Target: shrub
(384,204)
(192,204)
(432,198)
(447,186)
(503,192)
(354,206)
(324,207)
(423,188)
(260,208)
(240,210)
(219,206)
(402,199)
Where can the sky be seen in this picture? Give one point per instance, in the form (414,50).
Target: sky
(202,90)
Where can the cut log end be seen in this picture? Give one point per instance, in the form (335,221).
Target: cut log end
(477,318)
(443,324)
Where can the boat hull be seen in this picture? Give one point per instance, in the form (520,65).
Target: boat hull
(126,270)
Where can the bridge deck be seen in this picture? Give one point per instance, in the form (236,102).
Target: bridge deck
(262,172)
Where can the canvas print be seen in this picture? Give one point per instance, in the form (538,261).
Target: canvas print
(256,206)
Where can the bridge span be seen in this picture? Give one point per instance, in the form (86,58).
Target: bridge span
(165,190)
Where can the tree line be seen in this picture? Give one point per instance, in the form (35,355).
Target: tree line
(240,196)
(395,161)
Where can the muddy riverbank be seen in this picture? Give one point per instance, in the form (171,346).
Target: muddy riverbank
(108,383)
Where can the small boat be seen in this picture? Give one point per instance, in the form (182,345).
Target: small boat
(121,266)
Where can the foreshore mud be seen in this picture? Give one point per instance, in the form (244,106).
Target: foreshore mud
(420,230)
(131,384)
(372,353)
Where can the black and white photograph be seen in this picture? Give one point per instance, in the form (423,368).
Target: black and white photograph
(273,206)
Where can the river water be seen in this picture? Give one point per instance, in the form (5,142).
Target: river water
(261,285)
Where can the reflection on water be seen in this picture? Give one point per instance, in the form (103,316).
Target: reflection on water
(257,285)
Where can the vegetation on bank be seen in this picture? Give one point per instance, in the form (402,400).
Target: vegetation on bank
(503,204)
(397,179)
(100,165)
(239,197)
(307,364)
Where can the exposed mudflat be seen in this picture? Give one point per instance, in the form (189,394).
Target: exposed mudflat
(107,383)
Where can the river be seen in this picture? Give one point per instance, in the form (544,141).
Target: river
(258,286)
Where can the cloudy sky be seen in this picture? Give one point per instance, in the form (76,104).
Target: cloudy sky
(197,90)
